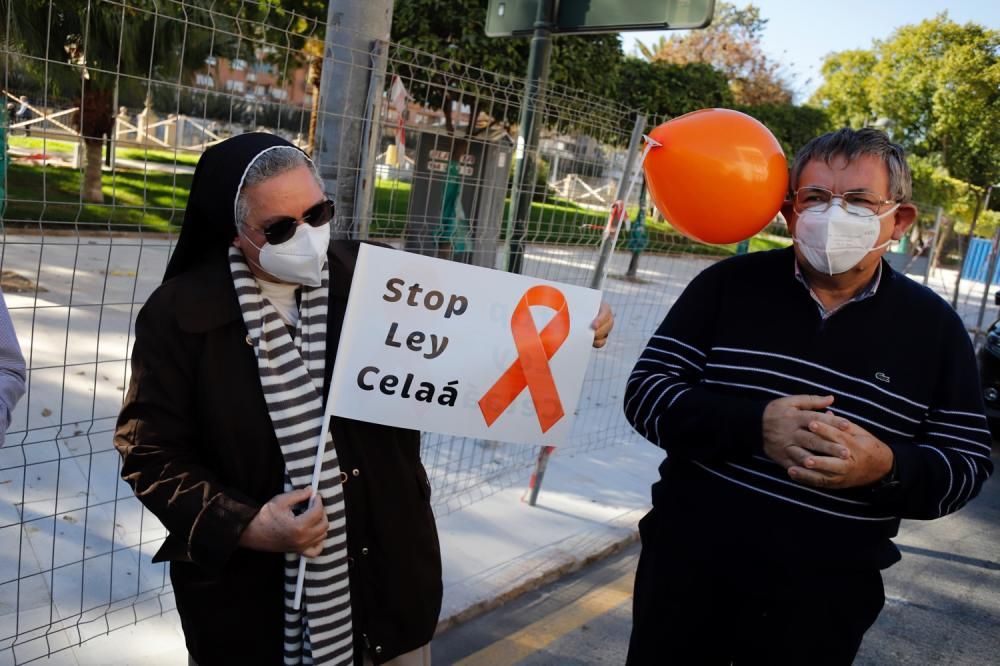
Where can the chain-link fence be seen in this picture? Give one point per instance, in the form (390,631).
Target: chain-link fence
(109,103)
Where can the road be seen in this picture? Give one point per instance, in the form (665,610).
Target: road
(942,605)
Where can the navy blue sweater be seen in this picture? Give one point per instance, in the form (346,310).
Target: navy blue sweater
(745,332)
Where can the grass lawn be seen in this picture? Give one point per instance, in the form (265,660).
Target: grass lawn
(51,146)
(183,157)
(133,199)
(40,145)
(150,200)
(559,222)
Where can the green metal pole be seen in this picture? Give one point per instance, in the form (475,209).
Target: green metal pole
(638,238)
(530,125)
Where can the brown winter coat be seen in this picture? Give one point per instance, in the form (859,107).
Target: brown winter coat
(199,450)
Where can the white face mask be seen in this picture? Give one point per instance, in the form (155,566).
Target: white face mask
(835,240)
(299,259)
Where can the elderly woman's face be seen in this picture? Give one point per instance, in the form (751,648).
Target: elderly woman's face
(289,194)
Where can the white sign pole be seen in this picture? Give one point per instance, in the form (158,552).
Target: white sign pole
(317,466)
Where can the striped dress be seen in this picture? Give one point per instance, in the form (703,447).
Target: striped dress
(745,332)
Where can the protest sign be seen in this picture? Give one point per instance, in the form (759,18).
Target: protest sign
(440,346)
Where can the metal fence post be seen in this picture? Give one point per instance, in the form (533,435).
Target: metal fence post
(980,205)
(608,241)
(528,132)
(535,484)
(991,265)
(610,236)
(371,135)
(349,65)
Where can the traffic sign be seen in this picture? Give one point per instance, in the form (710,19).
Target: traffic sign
(514,18)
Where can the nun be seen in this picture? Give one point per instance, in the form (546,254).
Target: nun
(232,360)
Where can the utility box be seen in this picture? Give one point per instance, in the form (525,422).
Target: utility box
(457,196)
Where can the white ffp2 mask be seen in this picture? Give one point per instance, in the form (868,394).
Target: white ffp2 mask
(834,241)
(299,259)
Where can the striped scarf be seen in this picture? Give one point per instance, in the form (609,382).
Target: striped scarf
(291,374)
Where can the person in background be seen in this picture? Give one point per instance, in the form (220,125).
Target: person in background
(802,419)
(23,114)
(452,233)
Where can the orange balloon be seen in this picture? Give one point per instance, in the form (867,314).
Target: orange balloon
(719,176)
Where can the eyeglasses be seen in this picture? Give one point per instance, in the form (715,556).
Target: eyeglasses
(820,199)
(283,228)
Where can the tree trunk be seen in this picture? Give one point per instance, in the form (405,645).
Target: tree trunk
(473,117)
(315,77)
(92,192)
(94,120)
(446,109)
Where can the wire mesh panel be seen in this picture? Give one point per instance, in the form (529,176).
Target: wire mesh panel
(447,148)
(122,98)
(108,105)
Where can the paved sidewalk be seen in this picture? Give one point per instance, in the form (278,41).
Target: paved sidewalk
(492,550)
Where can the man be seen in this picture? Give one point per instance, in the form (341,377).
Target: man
(807,398)
(232,362)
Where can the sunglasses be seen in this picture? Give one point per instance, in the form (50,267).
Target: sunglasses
(283,228)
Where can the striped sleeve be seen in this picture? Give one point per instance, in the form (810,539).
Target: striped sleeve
(951,459)
(665,399)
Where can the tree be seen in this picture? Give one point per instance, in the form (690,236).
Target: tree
(793,126)
(934,85)
(731,44)
(438,39)
(666,90)
(847,77)
(88,51)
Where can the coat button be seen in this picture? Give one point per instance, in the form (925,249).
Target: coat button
(378,649)
(356,472)
(249,340)
(364,551)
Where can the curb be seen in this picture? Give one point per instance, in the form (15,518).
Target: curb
(559,570)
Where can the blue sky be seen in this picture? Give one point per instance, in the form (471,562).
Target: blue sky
(800,33)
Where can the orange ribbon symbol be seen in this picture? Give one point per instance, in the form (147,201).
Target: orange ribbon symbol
(531,369)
